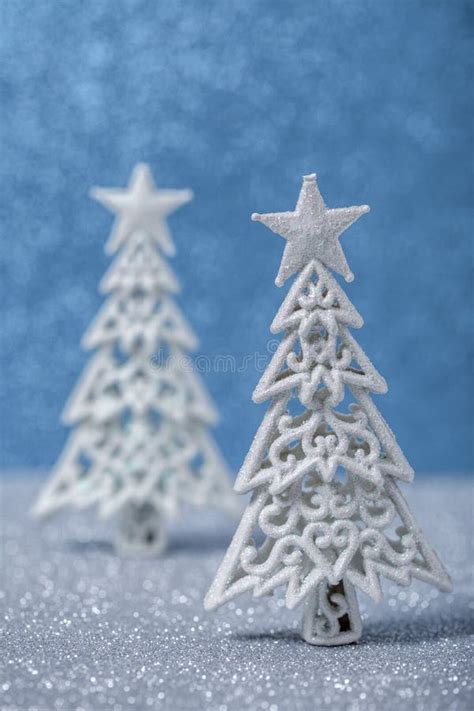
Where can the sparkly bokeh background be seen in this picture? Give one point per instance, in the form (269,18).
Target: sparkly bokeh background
(238,100)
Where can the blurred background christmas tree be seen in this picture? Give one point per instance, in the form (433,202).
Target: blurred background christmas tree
(238,100)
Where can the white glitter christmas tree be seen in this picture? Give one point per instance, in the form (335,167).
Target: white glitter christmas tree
(326,515)
(140,446)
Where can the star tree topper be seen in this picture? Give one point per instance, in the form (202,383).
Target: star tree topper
(312,231)
(141,207)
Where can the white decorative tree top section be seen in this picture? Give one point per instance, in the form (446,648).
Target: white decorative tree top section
(139,264)
(141,207)
(312,231)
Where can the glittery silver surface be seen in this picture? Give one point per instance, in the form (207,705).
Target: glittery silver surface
(84,630)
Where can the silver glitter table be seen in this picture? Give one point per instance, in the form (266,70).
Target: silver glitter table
(83,629)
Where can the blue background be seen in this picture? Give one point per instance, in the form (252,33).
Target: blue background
(238,100)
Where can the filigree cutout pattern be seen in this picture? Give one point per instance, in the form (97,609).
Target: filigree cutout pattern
(326,515)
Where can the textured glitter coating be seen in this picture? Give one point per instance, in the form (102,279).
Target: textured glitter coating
(325,514)
(312,232)
(83,629)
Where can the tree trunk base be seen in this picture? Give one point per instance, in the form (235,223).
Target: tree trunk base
(141,530)
(331,615)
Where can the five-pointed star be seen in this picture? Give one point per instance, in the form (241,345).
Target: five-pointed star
(312,232)
(141,208)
